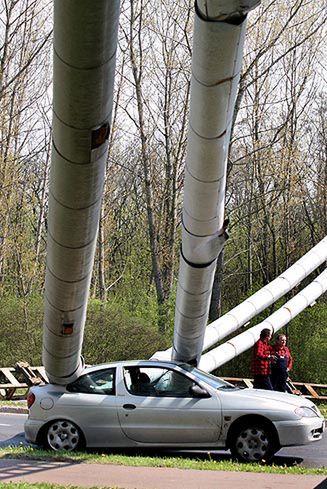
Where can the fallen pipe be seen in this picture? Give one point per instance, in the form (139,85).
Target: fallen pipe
(242,342)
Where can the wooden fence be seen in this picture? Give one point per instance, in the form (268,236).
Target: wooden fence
(15,381)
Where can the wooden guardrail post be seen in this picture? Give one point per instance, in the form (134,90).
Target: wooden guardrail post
(15,380)
(9,383)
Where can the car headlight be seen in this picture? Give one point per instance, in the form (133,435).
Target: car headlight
(305,412)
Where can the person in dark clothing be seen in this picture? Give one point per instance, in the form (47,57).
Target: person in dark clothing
(281,364)
(262,355)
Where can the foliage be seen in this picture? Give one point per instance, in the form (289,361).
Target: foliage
(112,331)
(21,330)
(308,343)
(323,409)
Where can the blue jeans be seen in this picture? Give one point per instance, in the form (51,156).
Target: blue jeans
(262,382)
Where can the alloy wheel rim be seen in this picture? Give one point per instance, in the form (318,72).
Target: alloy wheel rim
(252,444)
(63,435)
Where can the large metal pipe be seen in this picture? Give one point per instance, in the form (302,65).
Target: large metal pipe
(85,43)
(239,344)
(219,31)
(256,303)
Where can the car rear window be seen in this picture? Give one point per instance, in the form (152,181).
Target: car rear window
(98,382)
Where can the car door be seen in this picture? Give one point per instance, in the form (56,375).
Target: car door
(93,403)
(164,410)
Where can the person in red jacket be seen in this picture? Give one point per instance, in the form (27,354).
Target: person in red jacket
(261,359)
(281,365)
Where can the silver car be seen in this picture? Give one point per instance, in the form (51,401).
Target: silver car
(167,404)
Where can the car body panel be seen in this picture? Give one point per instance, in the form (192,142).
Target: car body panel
(124,418)
(299,432)
(97,413)
(170,420)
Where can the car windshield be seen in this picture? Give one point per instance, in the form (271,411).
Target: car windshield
(213,381)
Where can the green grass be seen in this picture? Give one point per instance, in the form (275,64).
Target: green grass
(323,409)
(208,461)
(19,403)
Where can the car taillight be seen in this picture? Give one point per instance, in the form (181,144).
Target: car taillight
(30,399)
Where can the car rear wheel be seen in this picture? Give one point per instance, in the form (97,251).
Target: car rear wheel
(63,435)
(253,443)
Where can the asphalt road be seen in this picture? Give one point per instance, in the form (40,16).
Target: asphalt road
(313,455)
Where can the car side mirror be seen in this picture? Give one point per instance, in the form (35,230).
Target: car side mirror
(198,391)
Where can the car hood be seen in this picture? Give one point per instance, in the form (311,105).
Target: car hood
(261,399)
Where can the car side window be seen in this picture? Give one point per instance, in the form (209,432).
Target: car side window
(98,382)
(138,382)
(157,382)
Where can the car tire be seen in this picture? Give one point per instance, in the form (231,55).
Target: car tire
(63,435)
(253,442)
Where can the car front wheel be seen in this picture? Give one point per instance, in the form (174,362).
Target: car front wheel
(63,435)
(253,443)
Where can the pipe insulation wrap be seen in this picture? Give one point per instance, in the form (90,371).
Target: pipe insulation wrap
(251,308)
(198,304)
(195,280)
(85,44)
(200,249)
(86,31)
(193,291)
(217,357)
(85,89)
(65,296)
(225,9)
(88,180)
(187,346)
(70,264)
(209,152)
(192,307)
(57,343)
(70,232)
(58,365)
(216,64)
(51,315)
(205,219)
(246,311)
(75,144)
(279,287)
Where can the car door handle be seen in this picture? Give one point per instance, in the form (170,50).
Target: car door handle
(129,406)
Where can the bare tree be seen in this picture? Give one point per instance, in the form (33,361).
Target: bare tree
(267,164)
(24,69)
(156,37)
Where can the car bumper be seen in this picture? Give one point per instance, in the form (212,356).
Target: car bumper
(300,432)
(32,428)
